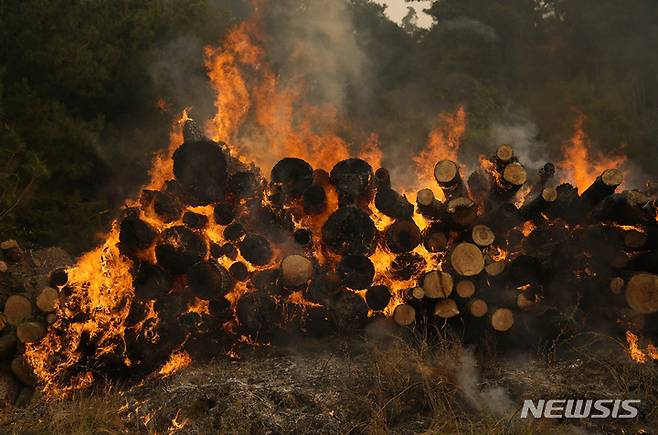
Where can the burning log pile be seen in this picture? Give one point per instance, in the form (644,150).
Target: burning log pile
(220,255)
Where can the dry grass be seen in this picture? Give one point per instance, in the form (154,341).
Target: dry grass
(100,413)
(391,385)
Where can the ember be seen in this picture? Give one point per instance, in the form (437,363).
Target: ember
(231,242)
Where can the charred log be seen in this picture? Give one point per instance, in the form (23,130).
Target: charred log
(349,231)
(356,271)
(201,169)
(179,248)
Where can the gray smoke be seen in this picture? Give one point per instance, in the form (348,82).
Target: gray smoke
(493,399)
(471,25)
(317,42)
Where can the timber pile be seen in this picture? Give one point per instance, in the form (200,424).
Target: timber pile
(221,253)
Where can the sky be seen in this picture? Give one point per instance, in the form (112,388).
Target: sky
(397,9)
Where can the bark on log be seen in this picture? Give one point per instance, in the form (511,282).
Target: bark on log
(604,185)
(392,204)
(531,209)
(430,207)
(461,212)
(446,173)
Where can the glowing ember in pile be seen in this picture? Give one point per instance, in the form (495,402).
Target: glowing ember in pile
(215,252)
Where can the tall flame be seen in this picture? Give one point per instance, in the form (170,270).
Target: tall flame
(579,166)
(443,142)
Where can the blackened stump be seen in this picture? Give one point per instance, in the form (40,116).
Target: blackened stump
(352,179)
(179,248)
(293,175)
(403,236)
(349,231)
(356,271)
(256,250)
(209,280)
(151,281)
(378,297)
(200,168)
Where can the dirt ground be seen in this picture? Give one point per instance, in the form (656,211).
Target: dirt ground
(378,386)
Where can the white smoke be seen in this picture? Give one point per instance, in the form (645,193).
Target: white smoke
(492,399)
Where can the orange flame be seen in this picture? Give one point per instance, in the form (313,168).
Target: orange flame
(443,142)
(635,351)
(177,360)
(578,165)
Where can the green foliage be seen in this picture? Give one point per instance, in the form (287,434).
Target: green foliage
(74,85)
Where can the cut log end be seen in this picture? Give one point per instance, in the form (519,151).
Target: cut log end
(502,319)
(437,284)
(642,293)
(612,177)
(47,300)
(446,308)
(17,309)
(425,197)
(495,268)
(296,270)
(446,172)
(515,174)
(465,288)
(549,194)
(417,293)
(30,332)
(482,235)
(478,308)
(467,259)
(617,285)
(404,315)
(504,153)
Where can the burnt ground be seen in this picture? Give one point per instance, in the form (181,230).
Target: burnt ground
(382,385)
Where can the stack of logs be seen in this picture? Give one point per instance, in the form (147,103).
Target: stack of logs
(220,254)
